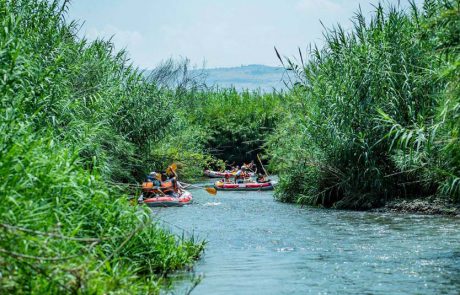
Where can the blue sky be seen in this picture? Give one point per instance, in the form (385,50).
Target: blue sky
(220,33)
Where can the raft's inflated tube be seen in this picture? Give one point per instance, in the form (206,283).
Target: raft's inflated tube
(167,201)
(251,186)
(216,174)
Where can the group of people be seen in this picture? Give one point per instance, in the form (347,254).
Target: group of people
(239,174)
(162,184)
(243,173)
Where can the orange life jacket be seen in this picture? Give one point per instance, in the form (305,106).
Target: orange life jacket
(147,186)
(168,186)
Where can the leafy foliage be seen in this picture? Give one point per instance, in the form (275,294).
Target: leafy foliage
(236,124)
(74,117)
(375,114)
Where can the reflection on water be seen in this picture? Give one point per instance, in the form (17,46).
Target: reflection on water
(259,246)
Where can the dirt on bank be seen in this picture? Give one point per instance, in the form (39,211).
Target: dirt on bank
(430,206)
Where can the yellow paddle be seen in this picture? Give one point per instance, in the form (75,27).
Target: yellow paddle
(210,190)
(171,169)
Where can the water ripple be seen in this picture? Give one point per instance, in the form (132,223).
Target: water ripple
(258,246)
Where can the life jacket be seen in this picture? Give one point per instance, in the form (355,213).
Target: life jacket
(147,186)
(168,186)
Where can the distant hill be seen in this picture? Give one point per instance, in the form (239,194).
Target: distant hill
(250,77)
(246,77)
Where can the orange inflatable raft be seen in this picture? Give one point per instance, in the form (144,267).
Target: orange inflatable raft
(249,186)
(169,201)
(217,174)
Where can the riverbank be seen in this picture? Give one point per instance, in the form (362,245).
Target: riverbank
(427,206)
(387,126)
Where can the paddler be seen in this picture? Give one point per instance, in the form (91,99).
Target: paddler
(227,178)
(261,178)
(250,166)
(169,184)
(151,187)
(153,177)
(240,174)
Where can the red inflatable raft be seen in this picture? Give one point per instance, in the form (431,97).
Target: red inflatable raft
(167,201)
(249,186)
(216,174)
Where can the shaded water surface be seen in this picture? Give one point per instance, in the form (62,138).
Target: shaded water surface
(259,246)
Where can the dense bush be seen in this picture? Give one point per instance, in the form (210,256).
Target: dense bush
(375,114)
(236,124)
(74,117)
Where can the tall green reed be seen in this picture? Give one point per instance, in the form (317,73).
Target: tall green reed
(76,116)
(340,149)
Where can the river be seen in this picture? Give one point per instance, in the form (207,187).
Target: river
(259,246)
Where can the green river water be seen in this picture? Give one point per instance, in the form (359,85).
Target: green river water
(259,246)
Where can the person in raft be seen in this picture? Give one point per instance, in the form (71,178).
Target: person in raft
(226,178)
(249,166)
(235,169)
(240,175)
(170,185)
(153,178)
(154,189)
(261,178)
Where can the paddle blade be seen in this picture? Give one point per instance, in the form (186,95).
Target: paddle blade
(211,190)
(171,169)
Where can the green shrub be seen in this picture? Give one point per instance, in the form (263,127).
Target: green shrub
(74,117)
(363,92)
(236,124)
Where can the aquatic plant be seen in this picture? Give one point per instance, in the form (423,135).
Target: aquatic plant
(75,117)
(375,114)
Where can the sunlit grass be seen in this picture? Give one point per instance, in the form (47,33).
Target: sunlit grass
(375,116)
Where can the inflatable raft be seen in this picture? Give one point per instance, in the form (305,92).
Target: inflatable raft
(167,201)
(249,186)
(216,174)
